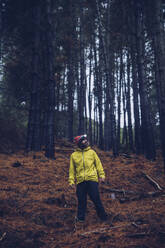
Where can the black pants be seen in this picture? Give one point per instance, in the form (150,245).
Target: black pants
(89,188)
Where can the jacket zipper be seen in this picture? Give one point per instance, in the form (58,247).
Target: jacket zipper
(83,164)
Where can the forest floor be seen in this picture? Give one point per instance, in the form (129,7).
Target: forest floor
(37,209)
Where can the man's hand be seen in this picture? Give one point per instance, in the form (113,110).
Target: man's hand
(101,179)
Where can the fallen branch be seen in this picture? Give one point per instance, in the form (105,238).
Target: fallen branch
(135,225)
(3,236)
(103,230)
(140,196)
(118,191)
(153,182)
(137,235)
(6,189)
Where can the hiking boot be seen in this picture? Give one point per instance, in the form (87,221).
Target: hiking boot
(78,220)
(108,218)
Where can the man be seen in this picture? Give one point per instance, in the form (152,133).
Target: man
(86,170)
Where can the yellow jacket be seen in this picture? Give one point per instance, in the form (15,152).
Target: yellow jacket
(85,165)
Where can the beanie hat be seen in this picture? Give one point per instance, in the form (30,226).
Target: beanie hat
(77,139)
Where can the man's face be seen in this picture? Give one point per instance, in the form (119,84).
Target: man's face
(84,143)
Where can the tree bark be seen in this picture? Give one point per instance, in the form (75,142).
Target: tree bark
(119,99)
(135,86)
(128,99)
(146,128)
(159,42)
(90,131)
(81,85)
(71,52)
(50,129)
(99,92)
(33,142)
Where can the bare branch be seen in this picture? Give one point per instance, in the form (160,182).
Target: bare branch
(152,181)
(103,230)
(3,236)
(137,235)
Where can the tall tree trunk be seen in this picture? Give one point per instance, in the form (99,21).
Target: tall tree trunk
(85,102)
(146,128)
(128,96)
(109,62)
(112,105)
(99,92)
(159,41)
(71,68)
(50,146)
(125,132)
(95,121)
(90,99)
(33,142)
(137,135)
(119,100)
(1,27)
(81,86)
(70,99)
